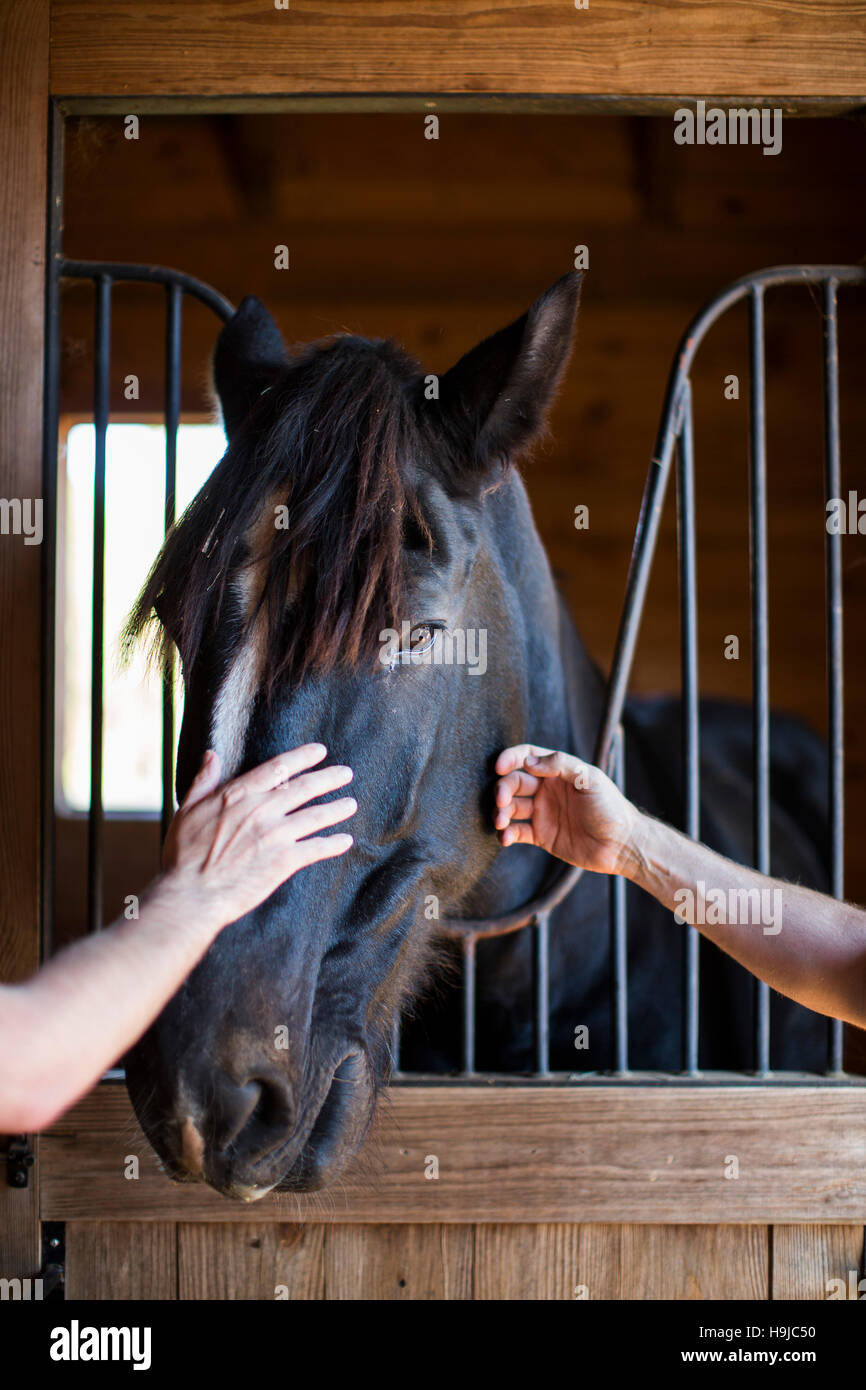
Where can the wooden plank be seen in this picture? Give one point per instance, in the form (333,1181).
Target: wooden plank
(220,47)
(519,1153)
(391,1262)
(121,1259)
(23,136)
(806,1258)
(695,1262)
(251,1261)
(546,1261)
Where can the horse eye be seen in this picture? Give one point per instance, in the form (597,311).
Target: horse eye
(421,637)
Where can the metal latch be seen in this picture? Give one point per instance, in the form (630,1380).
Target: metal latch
(19,1161)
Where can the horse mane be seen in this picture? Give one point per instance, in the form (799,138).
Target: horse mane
(329,440)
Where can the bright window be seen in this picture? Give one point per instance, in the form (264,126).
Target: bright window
(132,698)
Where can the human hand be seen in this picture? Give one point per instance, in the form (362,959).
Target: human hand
(565,806)
(228,848)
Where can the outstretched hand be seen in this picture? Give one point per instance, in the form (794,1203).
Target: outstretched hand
(228,848)
(565,806)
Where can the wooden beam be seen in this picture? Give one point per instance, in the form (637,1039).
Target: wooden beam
(577,1153)
(23,202)
(623,47)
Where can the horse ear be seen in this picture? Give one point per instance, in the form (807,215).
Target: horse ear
(497,395)
(249,356)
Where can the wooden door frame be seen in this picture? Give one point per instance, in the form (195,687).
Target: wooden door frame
(63,56)
(24,110)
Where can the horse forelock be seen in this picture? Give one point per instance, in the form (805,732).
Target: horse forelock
(302,521)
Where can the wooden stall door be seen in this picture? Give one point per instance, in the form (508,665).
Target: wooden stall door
(435,1262)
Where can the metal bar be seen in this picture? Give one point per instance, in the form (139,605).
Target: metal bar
(643,552)
(835,688)
(635,594)
(690,725)
(51,387)
(100,424)
(150,274)
(468,1006)
(760,641)
(541,959)
(174,308)
(618,936)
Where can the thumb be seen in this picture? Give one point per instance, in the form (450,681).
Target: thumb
(205,781)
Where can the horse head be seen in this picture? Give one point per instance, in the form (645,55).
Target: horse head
(360,570)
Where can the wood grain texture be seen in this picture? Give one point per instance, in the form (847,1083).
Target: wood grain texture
(23,135)
(694,1262)
(496,1262)
(546,1261)
(108,47)
(121,1259)
(620,1153)
(392,1263)
(252,1261)
(805,1258)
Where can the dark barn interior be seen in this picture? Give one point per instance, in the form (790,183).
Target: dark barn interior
(438,242)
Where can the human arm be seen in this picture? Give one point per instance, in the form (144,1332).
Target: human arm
(228,848)
(808,946)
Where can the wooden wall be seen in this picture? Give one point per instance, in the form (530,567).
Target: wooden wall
(540,1191)
(207,48)
(23,137)
(521,1261)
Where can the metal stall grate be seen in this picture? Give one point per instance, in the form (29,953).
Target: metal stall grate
(675,436)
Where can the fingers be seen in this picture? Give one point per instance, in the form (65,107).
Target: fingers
(320,847)
(517,783)
(319,817)
(518,809)
(519,832)
(205,780)
(563,765)
(311,784)
(279,769)
(511,758)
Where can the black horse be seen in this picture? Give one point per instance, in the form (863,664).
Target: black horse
(359,499)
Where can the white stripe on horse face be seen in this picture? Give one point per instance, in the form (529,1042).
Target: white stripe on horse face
(233,705)
(231,712)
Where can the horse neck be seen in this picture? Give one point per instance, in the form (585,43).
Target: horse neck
(564,692)
(584,687)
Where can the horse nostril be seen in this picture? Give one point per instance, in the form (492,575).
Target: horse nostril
(274,1107)
(260,1102)
(231,1108)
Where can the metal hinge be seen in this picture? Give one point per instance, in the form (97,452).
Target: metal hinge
(19,1160)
